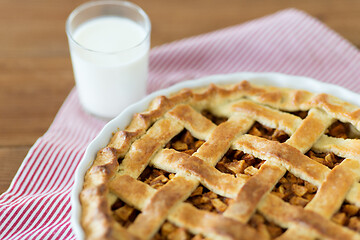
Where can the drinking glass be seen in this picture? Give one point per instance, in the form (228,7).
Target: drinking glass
(109,45)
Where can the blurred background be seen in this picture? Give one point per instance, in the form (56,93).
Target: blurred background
(35,68)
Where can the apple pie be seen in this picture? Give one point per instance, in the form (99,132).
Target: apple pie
(238,161)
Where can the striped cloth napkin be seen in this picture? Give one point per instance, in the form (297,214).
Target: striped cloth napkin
(37,204)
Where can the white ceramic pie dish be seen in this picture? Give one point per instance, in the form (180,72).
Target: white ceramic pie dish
(122,120)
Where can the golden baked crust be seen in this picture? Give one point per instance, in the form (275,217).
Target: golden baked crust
(116,172)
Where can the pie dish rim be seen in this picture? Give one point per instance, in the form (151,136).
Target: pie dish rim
(124,118)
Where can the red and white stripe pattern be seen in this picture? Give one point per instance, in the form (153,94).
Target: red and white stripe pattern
(37,204)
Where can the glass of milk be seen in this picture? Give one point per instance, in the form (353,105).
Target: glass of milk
(109,45)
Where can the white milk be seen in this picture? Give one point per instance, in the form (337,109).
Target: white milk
(111,66)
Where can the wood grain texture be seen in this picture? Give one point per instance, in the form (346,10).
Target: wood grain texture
(35,67)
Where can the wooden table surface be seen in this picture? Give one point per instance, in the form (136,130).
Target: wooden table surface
(35,68)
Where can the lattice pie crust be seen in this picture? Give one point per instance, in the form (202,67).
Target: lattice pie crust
(229,162)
